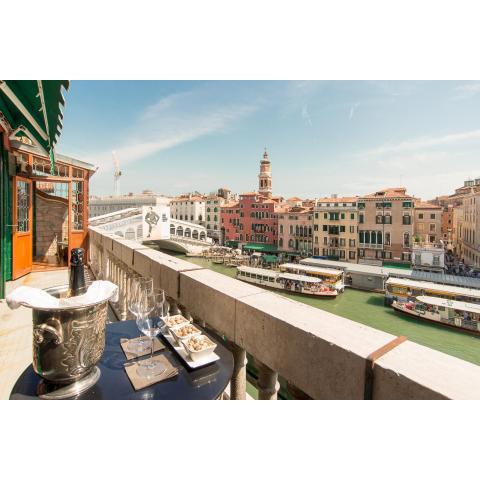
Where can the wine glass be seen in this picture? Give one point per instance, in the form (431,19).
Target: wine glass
(138,286)
(152,306)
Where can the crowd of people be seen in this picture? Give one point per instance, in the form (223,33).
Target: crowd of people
(457,266)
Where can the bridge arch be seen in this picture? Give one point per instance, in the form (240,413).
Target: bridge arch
(195,234)
(188,232)
(180,231)
(172,229)
(202,236)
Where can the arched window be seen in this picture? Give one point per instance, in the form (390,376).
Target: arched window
(373,237)
(208,209)
(172,229)
(215,218)
(296,229)
(208,218)
(406,239)
(181,217)
(202,235)
(200,218)
(215,209)
(367,237)
(290,243)
(379,238)
(281,229)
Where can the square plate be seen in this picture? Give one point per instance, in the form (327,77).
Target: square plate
(183,354)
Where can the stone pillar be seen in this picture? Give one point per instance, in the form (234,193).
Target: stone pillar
(238,383)
(267,384)
(123,292)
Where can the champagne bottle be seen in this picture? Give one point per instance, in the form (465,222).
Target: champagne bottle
(77,284)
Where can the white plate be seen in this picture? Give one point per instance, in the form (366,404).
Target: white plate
(213,357)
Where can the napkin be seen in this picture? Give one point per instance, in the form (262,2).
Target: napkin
(142,382)
(98,291)
(157,346)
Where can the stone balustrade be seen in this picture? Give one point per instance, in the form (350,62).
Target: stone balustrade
(319,354)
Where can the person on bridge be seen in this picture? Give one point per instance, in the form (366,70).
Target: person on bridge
(151,218)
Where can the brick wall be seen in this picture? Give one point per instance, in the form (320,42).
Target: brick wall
(51,220)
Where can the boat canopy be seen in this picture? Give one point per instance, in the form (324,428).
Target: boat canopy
(258,271)
(442,302)
(299,278)
(434,287)
(308,268)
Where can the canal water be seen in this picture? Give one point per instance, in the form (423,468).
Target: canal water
(368,308)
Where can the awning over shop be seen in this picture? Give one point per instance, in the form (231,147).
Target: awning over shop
(260,247)
(270,259)
(33,108)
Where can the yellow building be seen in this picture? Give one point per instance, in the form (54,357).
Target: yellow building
(335,228)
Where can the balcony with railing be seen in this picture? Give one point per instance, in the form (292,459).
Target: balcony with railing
(320,354)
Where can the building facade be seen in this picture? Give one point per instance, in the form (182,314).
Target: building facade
(190,207)
(213,214)
(427,222)
(265,177)
(470,236)
(295,229)
(335,228)
(230,221)
(385,226)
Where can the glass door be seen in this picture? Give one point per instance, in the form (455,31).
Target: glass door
(22,245)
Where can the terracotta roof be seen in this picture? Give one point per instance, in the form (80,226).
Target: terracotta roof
(389,193)
(230,204)
(337,199)
(426,206)
(249,193)
(294,198)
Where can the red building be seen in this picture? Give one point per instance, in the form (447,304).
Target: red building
(230,218)
(252,221)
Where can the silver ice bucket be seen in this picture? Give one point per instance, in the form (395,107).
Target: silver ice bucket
(68,343)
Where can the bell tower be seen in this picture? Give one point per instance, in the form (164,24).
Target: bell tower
(265,176)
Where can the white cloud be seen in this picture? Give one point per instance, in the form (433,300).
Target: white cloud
(352,110)
(172,121)
(467,90)
(306,116)
(425,142)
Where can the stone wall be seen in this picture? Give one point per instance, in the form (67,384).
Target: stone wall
(322,354)
(51,223)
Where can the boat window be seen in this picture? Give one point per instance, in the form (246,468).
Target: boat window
(265,278)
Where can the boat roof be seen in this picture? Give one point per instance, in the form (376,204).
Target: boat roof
(355,267)
(300,278)
(406,282)
(309,268)
(258,271)
(443,302)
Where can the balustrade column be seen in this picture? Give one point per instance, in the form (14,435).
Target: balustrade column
(267,384)
(238,383)
(123,292)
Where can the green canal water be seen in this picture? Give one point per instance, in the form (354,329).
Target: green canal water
(368,308)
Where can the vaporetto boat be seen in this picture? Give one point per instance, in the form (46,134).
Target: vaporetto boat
(286,281)
(451,313)
(328,276)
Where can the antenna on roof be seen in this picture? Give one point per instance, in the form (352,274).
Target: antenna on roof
(116,176)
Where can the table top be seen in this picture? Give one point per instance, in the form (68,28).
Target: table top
(205,383)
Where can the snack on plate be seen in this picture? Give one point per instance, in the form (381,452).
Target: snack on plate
(199,343)
(186,331)
(175,320)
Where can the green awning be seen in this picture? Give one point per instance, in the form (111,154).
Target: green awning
(269,259)
(33,108)
(260,247)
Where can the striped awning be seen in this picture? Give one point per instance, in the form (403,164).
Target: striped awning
(34,108)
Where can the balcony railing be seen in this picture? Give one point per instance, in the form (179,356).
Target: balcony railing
(375,246)
(321,354)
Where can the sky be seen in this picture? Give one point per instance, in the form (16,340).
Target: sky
(323,137)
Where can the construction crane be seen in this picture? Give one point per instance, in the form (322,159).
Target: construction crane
(116,176)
